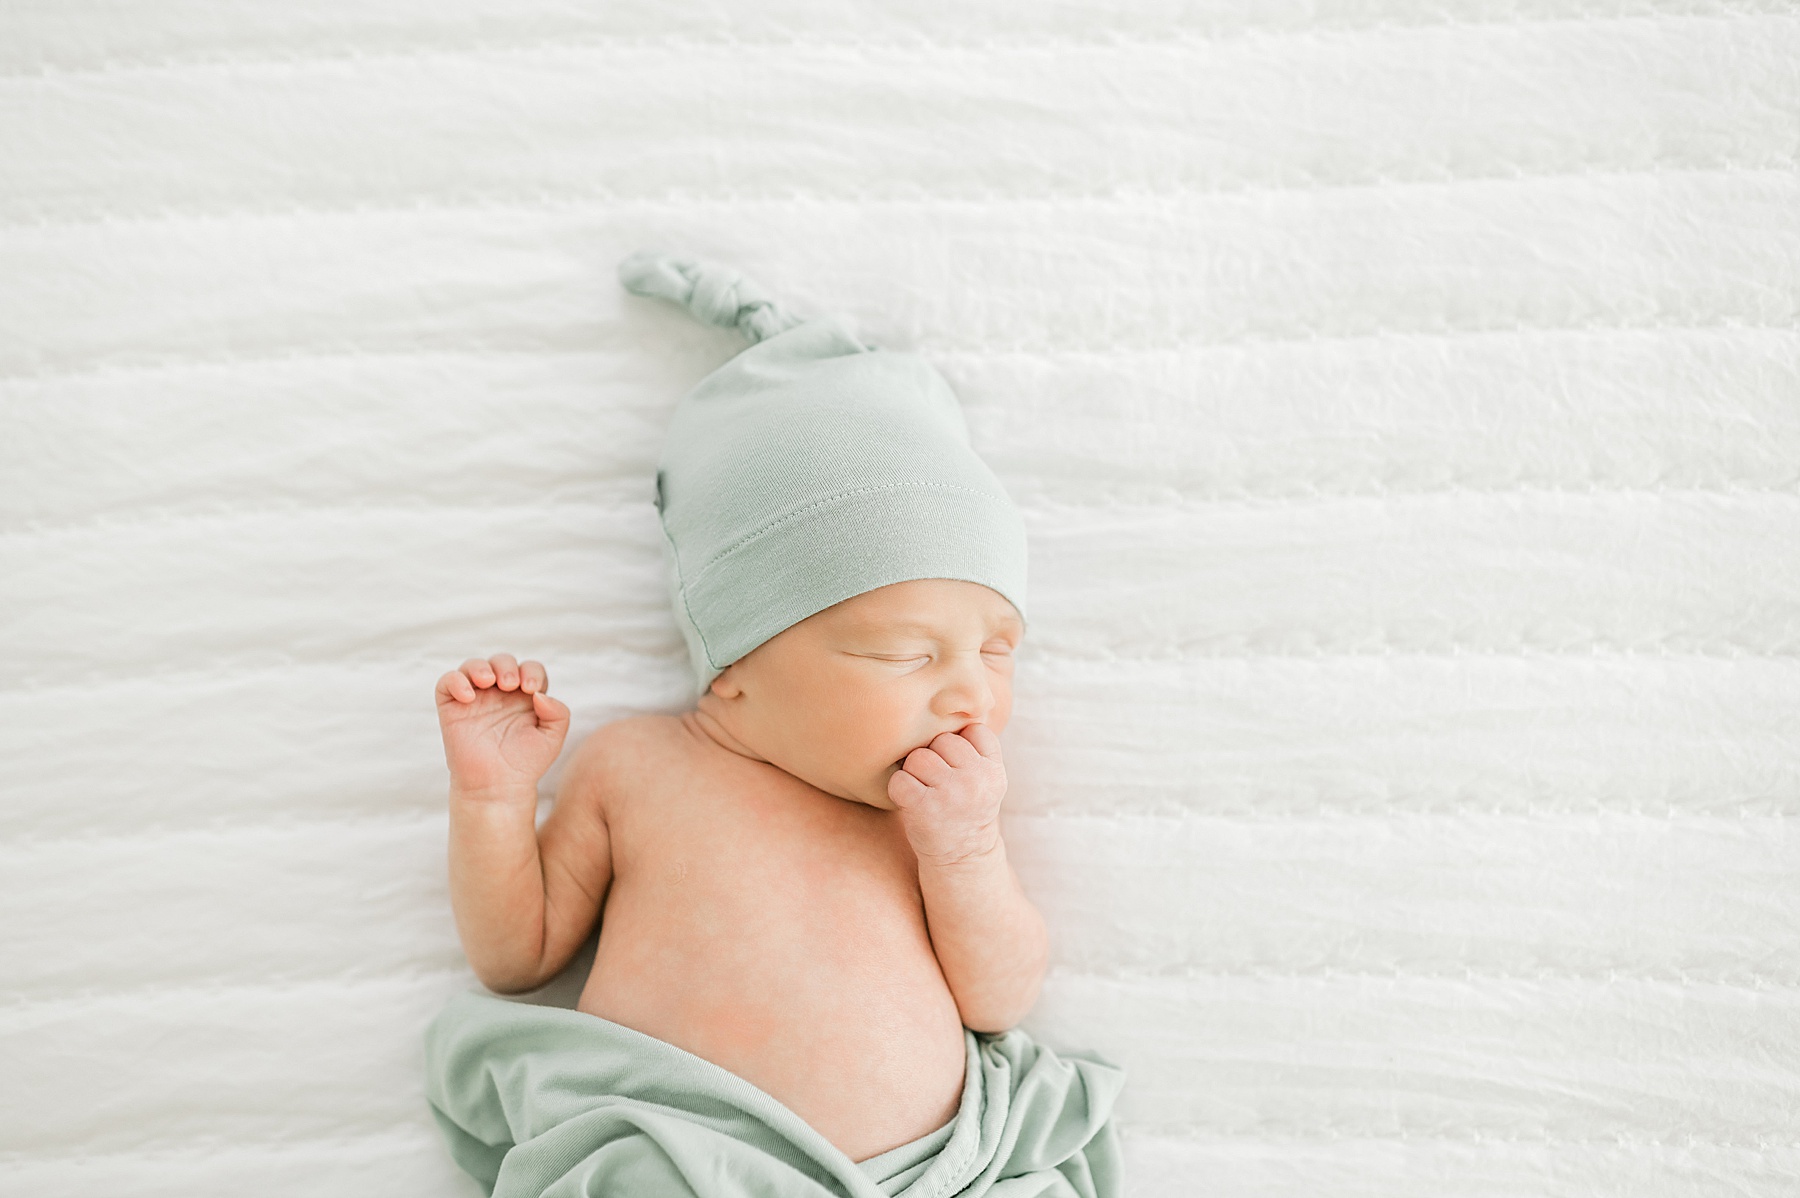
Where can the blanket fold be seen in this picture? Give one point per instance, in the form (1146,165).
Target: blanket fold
(553,1103)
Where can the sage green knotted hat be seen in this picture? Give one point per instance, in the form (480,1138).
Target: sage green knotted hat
(809,469)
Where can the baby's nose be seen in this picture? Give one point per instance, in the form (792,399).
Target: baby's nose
(967,695)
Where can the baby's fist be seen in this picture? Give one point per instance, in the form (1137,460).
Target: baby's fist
(502,731)
(948,795)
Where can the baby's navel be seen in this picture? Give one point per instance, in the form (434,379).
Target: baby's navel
(678,873)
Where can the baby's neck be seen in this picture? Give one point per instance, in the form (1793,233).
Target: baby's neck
(706,726)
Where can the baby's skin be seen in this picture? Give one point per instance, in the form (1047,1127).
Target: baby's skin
(802,880)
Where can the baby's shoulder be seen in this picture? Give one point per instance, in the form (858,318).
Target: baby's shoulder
(634,742)
(628,754)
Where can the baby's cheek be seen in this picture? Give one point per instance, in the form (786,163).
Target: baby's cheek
(1002,710)
(869,724)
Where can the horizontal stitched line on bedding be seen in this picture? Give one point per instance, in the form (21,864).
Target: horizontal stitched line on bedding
(463,349)
(22,1002)
(254,663)
(547,199)
(23,841)
(190,1149)
(1592,652)
(1033,504)
(28,1005)
(1353,1139)
(490,41)
(461,343)
(433,820)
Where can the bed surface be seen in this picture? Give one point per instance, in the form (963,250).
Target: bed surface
(1404,399)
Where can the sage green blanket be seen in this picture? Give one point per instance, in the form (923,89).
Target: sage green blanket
(545,1101)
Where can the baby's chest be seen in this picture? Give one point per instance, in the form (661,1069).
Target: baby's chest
(719,853)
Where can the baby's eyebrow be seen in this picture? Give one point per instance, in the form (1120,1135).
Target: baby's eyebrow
(918,629)
(895,629)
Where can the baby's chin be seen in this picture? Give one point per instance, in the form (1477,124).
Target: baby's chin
(872,793)
(875,794)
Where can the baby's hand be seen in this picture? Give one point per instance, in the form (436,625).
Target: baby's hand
(501,730)
(948,795)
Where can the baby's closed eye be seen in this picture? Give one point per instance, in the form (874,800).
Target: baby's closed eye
(898,659)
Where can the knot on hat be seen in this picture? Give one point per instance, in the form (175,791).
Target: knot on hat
(712,293)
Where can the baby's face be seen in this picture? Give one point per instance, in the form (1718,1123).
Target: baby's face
(842,697)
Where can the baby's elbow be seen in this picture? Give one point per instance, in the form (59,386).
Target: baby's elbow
(508,977)
(999,1013)
(506,986)
(993,1021)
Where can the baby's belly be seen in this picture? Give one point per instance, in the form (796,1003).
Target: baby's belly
(807,974)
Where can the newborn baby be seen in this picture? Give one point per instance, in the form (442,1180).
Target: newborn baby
(824,824)
(800,883)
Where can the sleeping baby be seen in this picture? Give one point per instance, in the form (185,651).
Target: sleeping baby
(812,949)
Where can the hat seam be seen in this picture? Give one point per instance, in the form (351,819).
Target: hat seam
(784,518)
(682,590)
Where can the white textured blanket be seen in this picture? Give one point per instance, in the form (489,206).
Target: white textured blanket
(1405,400)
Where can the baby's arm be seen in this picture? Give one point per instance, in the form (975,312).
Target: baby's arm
(989,939)
(524,899)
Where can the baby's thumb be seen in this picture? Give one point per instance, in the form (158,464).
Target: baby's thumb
(552,716)
(904,790)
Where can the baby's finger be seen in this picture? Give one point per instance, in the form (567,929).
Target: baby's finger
(985,740)
(927,767)
(506,670)
(552,716)
(455,686)
(532,678)
(904,790)
(479,672)
(955,750)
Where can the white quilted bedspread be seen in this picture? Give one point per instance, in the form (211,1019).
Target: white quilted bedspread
(1405,400)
